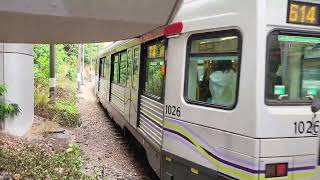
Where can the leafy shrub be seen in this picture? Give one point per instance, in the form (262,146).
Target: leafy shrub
(41,98)
(7,109)
(35,162)
(66,112)
(72,74)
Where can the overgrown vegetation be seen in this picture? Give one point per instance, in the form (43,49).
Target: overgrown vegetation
(64,110)
(6,108)
(36,162)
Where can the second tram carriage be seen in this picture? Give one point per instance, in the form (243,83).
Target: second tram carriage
(224,92)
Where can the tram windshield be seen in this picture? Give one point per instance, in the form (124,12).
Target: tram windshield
(293,68)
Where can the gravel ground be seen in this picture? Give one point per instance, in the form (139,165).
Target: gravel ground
(105,151)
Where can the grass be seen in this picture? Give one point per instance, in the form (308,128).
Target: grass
(64,110)
(36,162)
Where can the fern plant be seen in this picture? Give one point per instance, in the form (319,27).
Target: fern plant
(7,109)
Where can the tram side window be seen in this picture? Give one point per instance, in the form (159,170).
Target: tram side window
(129,68)
(136,63)
(96,68)
(123,68)
(213,65)
(154,76)
(102,67)
(107,71)
(115,68)
(293,68)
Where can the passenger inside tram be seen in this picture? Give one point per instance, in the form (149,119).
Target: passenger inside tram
(213,69)
(222,83)
(293,69)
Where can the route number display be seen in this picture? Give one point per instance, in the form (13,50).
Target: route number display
(303,13)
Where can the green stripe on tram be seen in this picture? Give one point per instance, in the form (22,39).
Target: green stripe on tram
(153,117)
(300,39)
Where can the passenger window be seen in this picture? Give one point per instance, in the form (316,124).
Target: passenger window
(123,68)
(96,67)
(107,69)
(115,69)
(136,63)
(213,64)
(103,68)
(129,67)
(154,75)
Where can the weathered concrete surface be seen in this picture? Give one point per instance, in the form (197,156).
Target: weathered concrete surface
(16,72)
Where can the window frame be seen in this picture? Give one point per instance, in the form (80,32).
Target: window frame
(270,102)
(107,61)
(113,68)
(126,70)
(144,58)
(136,88)
(129,68)
(212,34)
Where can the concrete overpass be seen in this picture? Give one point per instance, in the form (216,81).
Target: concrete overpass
(65,21)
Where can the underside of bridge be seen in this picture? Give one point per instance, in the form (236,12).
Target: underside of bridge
(82,21)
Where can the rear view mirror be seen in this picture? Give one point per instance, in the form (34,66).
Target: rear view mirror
(315,106)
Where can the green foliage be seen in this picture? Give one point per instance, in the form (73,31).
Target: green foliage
(7,109)
(41,64)
(154,77)
(66,59)
(41,98)
(66,112)
(74,149)
(35,162)
(95,48)
(3,89)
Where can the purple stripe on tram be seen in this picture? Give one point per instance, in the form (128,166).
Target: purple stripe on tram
(154,122)
(302,168)
(253,171)
(246,163)
(193,148)
(150,125)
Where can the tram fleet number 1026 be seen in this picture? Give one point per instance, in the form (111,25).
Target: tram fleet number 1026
(173,110)
(308,127)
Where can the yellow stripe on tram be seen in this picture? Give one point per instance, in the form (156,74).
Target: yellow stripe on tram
(157,120)
(225,168)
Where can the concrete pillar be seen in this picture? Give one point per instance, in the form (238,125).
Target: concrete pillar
(16,72)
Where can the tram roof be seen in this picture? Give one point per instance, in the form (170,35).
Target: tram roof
(82,21)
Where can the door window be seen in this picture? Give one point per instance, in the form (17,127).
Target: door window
(154,70)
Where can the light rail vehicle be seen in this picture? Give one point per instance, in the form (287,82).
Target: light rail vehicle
(223,92)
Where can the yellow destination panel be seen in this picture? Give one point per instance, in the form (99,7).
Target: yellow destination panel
(303,13)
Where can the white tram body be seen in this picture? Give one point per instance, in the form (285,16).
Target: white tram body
(233,101)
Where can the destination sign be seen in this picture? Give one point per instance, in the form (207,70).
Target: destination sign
(303,13)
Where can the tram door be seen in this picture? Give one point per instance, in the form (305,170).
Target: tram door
(152,94)
(134,86)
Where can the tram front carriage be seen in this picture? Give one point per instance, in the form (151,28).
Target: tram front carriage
(222,93)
